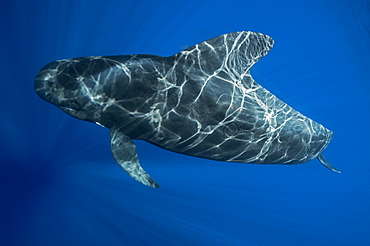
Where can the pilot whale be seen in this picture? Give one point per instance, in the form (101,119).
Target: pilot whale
(200,102)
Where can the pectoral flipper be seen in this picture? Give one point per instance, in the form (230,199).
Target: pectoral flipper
(124,152)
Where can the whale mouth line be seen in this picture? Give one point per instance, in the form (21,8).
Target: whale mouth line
(68,110)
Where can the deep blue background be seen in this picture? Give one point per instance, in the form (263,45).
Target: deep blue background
(59,184)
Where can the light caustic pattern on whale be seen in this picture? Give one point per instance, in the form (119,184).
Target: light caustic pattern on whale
(201,102)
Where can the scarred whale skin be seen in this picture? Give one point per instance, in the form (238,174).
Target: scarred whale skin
(201,102)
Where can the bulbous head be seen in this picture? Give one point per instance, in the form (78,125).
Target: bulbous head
(66,84)
(98,89)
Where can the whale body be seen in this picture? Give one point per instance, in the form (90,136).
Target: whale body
(200,102)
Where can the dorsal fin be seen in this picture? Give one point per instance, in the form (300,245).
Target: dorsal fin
(234,52)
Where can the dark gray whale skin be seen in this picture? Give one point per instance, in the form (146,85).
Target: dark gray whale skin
(201,102)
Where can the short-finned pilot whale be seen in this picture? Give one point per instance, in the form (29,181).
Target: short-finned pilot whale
(201,102)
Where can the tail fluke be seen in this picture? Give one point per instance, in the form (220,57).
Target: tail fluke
(326,163)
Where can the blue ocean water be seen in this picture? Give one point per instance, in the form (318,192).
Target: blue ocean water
(59,184)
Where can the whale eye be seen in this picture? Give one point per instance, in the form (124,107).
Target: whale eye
(231,129)
(74,104)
